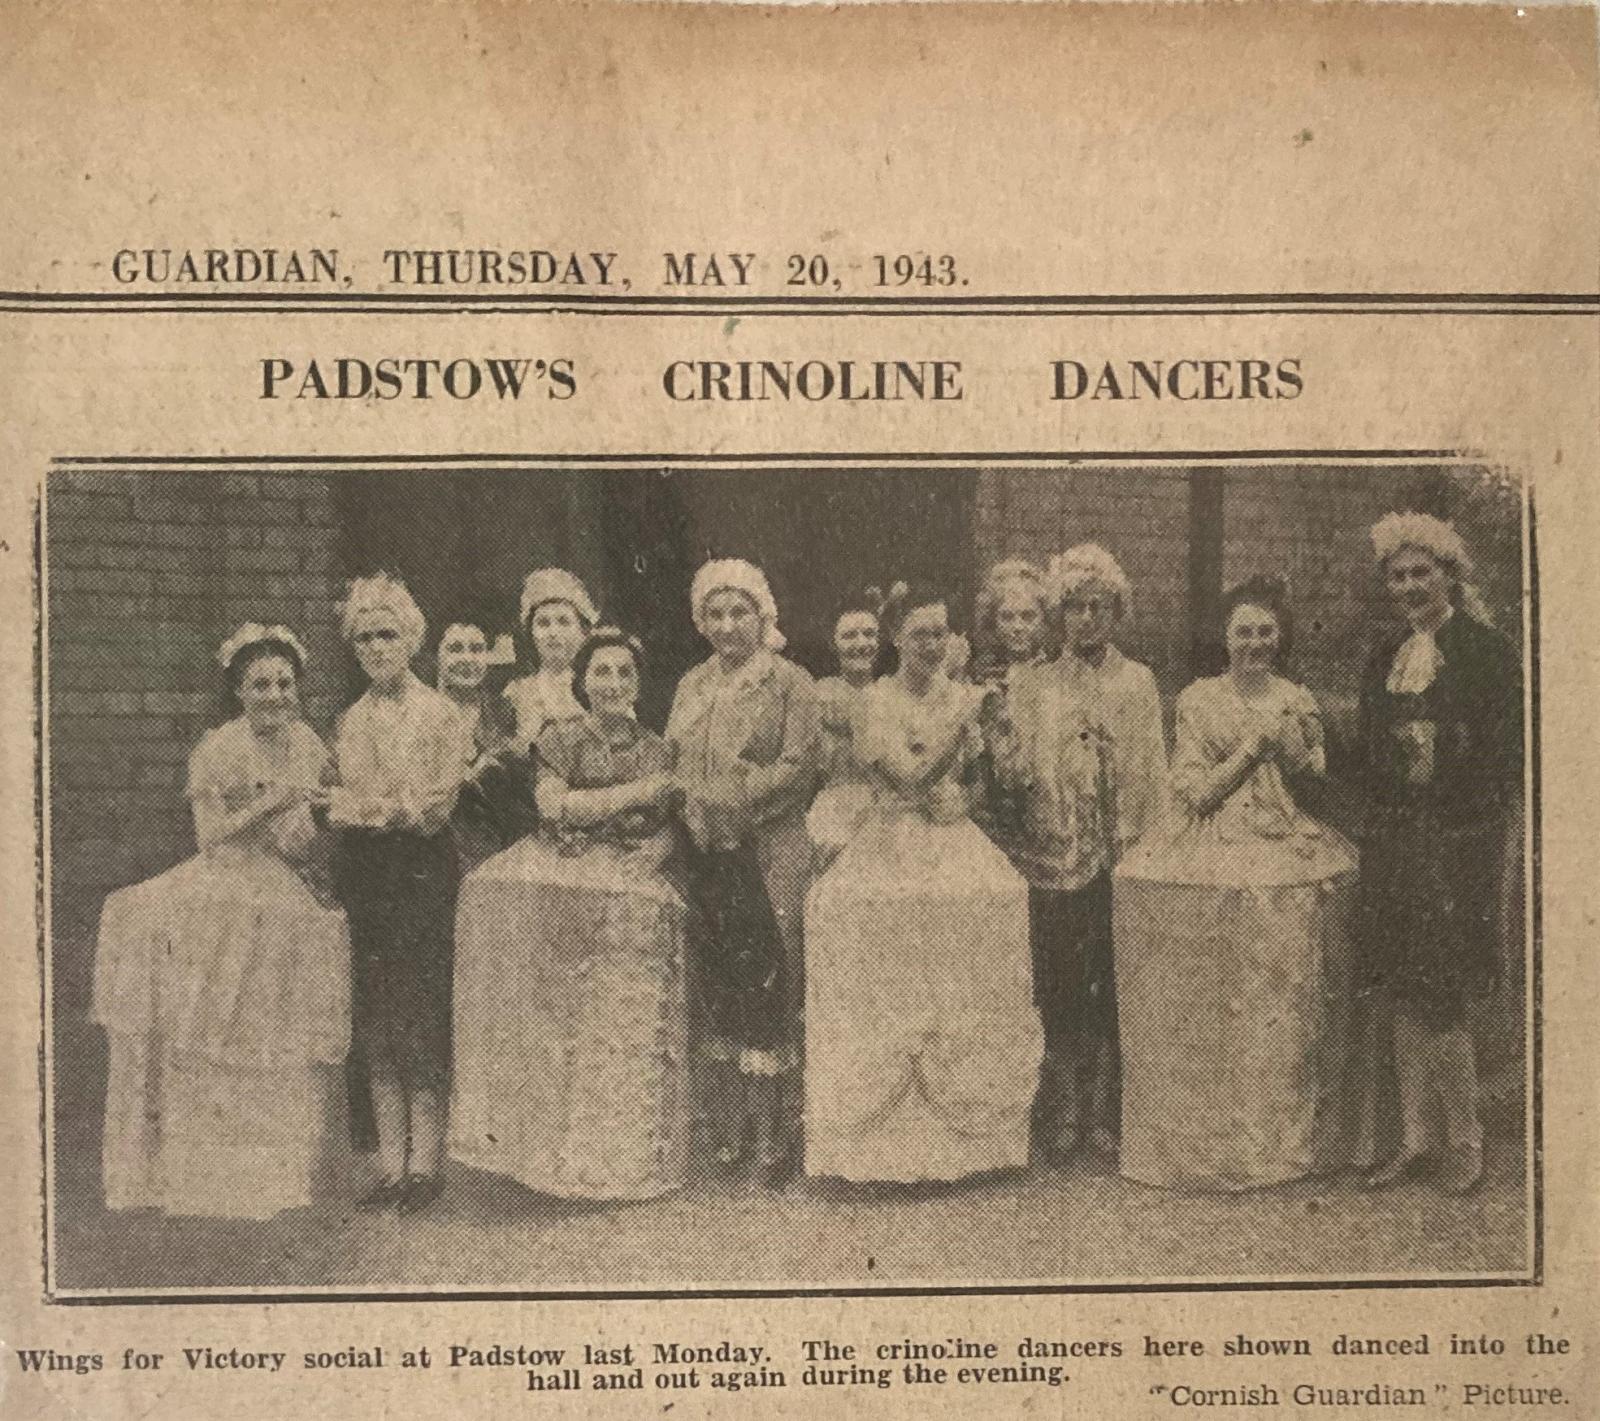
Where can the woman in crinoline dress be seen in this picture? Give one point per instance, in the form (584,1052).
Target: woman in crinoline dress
(1235,981)
(922,1041)
(572,1059)
(224,984)
(846,792)
(557,613)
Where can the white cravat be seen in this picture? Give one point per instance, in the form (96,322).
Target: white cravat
(1416,663)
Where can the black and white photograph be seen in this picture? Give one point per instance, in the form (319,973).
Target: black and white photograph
(479,875)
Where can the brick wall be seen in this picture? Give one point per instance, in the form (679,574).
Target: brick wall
(1308,523)
(1141,515)
(146,574)
(1310,526)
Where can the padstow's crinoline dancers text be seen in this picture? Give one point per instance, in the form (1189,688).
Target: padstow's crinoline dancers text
(951,911)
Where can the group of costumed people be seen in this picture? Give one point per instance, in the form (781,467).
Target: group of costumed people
(926,919)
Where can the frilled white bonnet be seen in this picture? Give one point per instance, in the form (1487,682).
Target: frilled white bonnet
(555,584)
(257,634)
(736,575)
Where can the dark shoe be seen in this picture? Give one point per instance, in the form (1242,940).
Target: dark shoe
(1060,1145)
(1401,1168)
(385,1196)
(778,1163)
(419,1191)
(1461,1170)
(1103,1142)
(730,1145)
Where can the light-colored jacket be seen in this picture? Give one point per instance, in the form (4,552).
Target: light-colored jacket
(750,739)
(1089,759)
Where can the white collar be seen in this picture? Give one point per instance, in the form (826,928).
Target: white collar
(1417,662)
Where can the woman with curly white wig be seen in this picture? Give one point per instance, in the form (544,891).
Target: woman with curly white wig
(1088,762)
(224,984)
(403,751)
(1441,751)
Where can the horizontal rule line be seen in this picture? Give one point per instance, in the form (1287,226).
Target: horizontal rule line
(1297,1285)
(1090,456)
(455,302)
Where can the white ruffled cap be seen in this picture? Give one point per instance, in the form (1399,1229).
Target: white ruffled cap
(556,584)
(383,592)
(736,575)
(254,634)
(1085,563)
(1421,530)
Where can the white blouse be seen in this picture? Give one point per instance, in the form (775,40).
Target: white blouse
(541,700)
(408,752)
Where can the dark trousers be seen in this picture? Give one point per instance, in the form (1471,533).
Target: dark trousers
(1075,988)
(742,975)
(399,891)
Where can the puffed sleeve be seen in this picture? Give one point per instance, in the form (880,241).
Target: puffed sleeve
(211,778)
(679,715)
(835,708)
(877,727)
(1142,773)
(1306,753)
(1192,757)
(313,764)
(350,762)
(208,775)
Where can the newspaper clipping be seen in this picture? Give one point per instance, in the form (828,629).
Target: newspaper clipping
(718,711)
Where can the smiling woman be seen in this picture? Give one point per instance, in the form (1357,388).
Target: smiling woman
(223,985)
(1235,987)
(570,1011)
(922,1044)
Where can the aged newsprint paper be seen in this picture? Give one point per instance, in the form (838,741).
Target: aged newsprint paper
(716,712)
